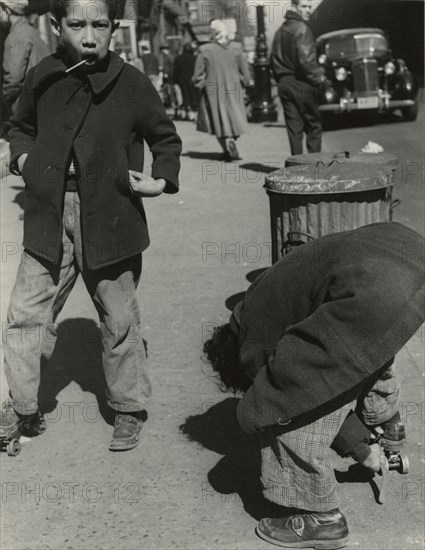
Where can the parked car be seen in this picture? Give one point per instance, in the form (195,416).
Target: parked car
(363,74)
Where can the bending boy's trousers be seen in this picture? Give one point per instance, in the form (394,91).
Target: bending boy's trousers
(296,465)
(39,295)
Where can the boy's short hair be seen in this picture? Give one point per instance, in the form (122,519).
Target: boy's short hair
(58,8)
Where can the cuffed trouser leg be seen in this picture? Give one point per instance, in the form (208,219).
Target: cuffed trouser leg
(381,400)
(296,466)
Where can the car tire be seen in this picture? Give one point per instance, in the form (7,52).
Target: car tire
(410,113)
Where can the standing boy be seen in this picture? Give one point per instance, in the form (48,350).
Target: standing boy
(77,139)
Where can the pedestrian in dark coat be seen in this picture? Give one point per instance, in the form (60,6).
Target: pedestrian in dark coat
(315,333)
(298,75)
(23,49)
(184,65)
(151,66)
(77,139)
(221,110)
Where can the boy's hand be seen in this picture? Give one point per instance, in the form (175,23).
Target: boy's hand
(21,161)
(373,461)
(145,186)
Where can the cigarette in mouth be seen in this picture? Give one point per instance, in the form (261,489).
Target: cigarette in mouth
(75,66)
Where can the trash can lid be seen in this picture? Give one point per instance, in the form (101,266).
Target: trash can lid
(332,177)
(384,159)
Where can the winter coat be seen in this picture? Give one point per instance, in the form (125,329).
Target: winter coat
(293,51)
(102,119)
(23,49)
(321,321)
(236,49)
(222,108)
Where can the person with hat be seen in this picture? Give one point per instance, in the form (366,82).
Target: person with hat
(314,340)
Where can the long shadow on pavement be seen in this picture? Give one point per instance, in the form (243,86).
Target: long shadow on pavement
(237,474)
(77,357)
(202,156)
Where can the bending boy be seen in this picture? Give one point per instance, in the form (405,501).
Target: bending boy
(315,333)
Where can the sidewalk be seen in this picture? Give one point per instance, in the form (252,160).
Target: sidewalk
(193,488)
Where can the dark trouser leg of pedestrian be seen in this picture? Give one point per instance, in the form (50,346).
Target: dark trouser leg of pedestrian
(39,294)
(289,92)
(312,120)
(297,473)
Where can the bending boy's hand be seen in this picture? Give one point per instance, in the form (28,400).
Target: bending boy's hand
(145,186)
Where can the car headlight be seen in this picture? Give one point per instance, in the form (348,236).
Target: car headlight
(340,74)
(389,68)
(322,59)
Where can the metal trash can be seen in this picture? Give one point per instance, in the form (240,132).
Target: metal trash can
(309,201)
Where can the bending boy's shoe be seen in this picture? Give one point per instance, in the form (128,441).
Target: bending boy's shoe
(13,424)
(324,530)
(127,430)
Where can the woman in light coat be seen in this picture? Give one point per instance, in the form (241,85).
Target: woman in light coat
(222,109)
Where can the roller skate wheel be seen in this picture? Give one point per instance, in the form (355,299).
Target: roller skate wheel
(13,447)
(404,464)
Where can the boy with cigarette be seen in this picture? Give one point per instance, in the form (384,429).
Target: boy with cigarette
(77,140)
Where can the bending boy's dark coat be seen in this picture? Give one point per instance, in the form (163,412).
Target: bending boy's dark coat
(326,317)
(104,118)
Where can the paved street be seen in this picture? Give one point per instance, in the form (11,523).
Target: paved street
(192,482)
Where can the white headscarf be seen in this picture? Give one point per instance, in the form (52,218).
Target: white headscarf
(16,6)
(219,31)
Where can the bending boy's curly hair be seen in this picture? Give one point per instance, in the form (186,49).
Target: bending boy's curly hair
(223,353)
(58,8)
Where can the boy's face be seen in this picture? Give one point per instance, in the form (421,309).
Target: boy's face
(86,32)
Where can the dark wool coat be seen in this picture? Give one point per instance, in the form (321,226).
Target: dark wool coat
(325,318)
(104,118)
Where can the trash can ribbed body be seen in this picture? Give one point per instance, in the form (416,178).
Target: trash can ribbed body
(310,201)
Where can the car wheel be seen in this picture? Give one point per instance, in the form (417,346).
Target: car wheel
(410,113)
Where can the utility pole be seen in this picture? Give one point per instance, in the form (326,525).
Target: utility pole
(263,110)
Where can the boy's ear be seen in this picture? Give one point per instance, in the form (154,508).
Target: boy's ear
(115,25)
(56,28)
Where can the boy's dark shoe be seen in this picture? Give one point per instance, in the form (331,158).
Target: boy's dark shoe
(127,430)
(13,424)
(325,531)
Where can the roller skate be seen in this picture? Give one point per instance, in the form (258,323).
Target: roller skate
(13,425)
(392,440)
